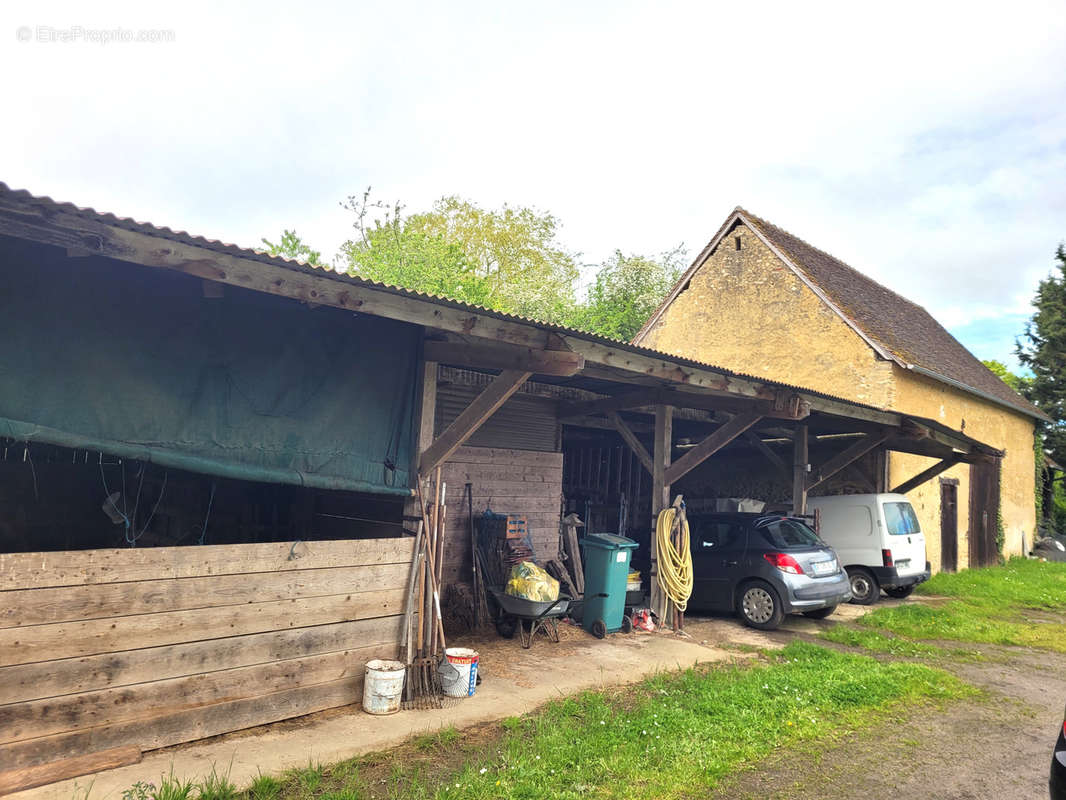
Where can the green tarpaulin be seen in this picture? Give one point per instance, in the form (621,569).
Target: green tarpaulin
(129,360)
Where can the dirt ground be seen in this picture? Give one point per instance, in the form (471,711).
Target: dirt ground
(998,746)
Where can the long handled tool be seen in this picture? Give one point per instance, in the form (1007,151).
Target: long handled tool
(408,638)
(426,683)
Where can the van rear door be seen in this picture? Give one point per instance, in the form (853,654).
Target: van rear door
(904,537)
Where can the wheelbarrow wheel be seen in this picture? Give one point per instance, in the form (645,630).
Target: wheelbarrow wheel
(506,627)
(599,629)
(627,624)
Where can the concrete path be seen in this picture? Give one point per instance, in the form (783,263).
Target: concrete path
(515,681)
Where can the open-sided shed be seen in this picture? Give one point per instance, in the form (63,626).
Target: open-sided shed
(259,425)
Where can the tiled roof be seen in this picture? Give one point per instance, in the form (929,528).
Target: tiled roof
(903,328)
(894,326)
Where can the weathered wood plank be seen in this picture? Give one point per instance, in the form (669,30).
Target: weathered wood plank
(78,567)
(26,682)
(54,715)
(34,643)
(16,780)
(497,455)
(186,725)
(69,603)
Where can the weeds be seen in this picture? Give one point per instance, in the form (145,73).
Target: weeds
(265,787)
(879,643)
(173,788)
(445,737)
(216,786)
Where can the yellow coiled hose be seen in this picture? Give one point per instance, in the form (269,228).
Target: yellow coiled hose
(675,562)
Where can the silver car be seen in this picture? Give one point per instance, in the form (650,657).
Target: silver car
(762,567)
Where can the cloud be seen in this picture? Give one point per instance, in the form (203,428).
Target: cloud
(922,145)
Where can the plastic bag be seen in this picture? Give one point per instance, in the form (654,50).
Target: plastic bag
(532,583)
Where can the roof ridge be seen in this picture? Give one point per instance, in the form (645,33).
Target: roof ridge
(841,262)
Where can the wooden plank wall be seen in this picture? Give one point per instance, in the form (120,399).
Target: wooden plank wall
(150,647)
(509,482)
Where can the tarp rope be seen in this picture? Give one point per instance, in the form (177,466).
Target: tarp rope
(675,560)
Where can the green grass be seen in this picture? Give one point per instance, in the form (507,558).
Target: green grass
(1020,583)
(879,643)
(265,787)
(967,622)
(173,788)
(674,735)
(988,606)
(440,740)
(216,786)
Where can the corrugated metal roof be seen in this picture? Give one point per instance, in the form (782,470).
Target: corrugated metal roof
(47,204)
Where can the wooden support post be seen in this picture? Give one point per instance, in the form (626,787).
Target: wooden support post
(799,470)
(842,459)
(709,446)
(660,497)
(427,417)
(473,417)
(631,440)
(926,475)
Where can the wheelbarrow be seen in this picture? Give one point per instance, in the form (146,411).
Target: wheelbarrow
(516,611)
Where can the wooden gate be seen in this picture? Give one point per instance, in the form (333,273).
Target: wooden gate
(949,524)
(984,513)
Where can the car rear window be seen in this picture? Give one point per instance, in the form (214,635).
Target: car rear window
(901,519)
(784,533)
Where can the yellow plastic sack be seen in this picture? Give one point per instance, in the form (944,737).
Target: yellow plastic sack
(532,583)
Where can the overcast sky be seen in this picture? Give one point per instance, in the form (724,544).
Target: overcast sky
(924,144)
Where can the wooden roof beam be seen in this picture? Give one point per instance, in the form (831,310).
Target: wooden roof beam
(561,363)
(473,417)
(709,446)
(846,457)
(926,475)
(632,441)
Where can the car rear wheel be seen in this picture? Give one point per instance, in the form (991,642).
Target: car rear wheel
(864,588)
(899,592)
(820,613)
(759,606)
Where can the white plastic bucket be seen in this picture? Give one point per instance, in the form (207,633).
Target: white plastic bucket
(383,687)
(458,672)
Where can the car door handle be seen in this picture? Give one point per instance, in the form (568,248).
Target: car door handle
(730,563)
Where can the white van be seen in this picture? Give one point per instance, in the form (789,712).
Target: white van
(877,538)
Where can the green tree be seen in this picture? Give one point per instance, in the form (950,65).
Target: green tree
(626,291)
(292,246)
(1016,382)
(388,249)
(1042,349)
(507,259)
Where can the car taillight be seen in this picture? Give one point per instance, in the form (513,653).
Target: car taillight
(886,556)
(784,562)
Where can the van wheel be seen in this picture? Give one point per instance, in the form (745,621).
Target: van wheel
(899,592)
(820,613)
(759,606)
(864,588)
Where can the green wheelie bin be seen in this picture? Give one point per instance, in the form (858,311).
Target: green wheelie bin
(606,572)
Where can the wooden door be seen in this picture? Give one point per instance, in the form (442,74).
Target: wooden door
(949,524)
(984,513)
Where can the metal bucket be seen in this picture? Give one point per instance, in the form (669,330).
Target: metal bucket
(383,687)
(458,671)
